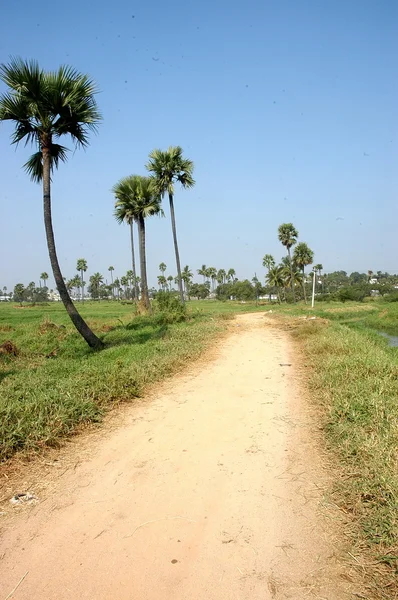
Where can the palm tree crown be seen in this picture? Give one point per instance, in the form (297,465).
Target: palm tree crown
(168,167)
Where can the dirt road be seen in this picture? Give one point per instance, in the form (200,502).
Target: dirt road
(210,491)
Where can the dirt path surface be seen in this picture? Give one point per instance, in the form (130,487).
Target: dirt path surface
(210,491)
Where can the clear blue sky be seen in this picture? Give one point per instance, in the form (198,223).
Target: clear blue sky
(288,109)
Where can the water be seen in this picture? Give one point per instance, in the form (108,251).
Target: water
(392,339)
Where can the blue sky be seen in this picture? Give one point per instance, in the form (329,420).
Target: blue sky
(288,109)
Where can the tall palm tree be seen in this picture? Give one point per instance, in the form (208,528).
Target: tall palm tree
(168,167)
(203,271)
(268,261)
(81,266)
(44,277)
(302,257)
(111,269)
(46,106)
(137,199)
(162,268)
(129,219)
(275,279)
(287,235)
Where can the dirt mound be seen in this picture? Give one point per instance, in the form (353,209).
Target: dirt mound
(8,348)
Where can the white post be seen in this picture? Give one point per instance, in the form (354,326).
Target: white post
(313,288)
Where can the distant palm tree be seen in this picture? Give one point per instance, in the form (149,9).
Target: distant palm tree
(212,274)
(162,268)
(170,280)
(288,235)
(302,257)
(44,277)
(96,281)
(136,197)
(167,168)
(187,276)
(46,106)
(129,219)
(111,269)
(162,281)
(221,276)
(318,269)
(81,266)
(275,279)
(116,286)
(231,275)
(203,271)
(124,282)
(268,261)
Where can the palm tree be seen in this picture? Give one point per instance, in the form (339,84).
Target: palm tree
(162,268)
(302,257)
(96,281)
(231,275)
(81,266)
(318,268)
(170,280)
(162,281)
(211,272)
(167,168)
(288,235)
(124,282)
(44,277)
(116,286)
(203,271)
(129,219)
(268,261)
(221,276)
(136,197)
(275,279)
(186,278)
(111,269)
(46,106)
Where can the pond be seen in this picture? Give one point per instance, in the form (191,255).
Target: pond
(392,339)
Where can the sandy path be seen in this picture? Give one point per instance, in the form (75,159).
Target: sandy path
(209,492)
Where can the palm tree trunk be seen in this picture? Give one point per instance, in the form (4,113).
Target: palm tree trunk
(75,317)
(279,297)
(173,226)
(305,295)
(291,275)
(144,279)
(82,288)
(133,260)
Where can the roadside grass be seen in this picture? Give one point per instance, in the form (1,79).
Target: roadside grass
(353,377)
(56,383)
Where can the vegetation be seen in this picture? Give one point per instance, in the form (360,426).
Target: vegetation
(288,235)
(46,106)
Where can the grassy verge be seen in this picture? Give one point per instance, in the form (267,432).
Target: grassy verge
(56,382)
(354,378)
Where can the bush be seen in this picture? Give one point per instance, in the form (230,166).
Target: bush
(352,293)
(393,297)
(170,307)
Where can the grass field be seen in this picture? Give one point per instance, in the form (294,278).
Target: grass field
(56,382)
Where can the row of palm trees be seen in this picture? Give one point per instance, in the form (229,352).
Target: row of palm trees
(291,270)
(139,197)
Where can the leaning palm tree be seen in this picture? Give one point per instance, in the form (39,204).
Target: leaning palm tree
(288,235)
(302,257)
(168,167)
(46,106)
(136,198)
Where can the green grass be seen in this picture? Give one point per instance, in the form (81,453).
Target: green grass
(57,383)
(353,377)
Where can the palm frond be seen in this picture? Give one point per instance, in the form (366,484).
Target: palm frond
(23,76)
(34,166)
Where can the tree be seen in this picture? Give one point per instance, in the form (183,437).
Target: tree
(275,279)
(46,106)
(116,286)
(96,281)
(111,269)
(170,279)
(136,198)
(44,277)
(211,273)
(187,276)
(200,290)
(81,266)
(129,219)
(287,235)
(231,275)
(19,290)
(124,282)
(268,261)
(302,257)
(221,276)
(203,271)
(162,268)
(167,168)
(162,281)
